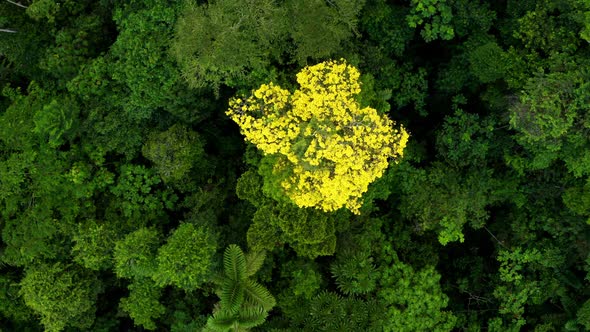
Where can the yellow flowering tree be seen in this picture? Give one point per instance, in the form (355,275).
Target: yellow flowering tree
(330,148)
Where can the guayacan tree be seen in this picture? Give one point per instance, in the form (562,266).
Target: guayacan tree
(325,148)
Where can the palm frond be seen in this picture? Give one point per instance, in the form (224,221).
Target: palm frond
(221,320)
(234,263)
(232,295)
(355,273)
(250,317)
(325,310)
(258,295)
(254,261)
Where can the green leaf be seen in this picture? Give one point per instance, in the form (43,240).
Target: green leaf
(232,295)
(252,316)
(222,320)
(234,263)
(254,261)
(259,295)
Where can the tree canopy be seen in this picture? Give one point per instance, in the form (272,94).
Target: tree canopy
(328,148)
(295,165)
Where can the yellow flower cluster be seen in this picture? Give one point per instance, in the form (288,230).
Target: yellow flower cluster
(334,147)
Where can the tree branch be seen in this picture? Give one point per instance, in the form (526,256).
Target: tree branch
(8,30)
(499,242)
(17,4)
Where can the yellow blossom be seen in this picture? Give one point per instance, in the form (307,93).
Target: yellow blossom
(334,148)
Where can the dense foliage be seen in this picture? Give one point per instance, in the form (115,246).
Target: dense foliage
(295,165)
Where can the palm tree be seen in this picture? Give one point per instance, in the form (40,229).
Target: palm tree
(244,302)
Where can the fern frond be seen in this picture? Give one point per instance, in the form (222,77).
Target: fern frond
(355,273)
(254,261)
(221,320)
(357,312)
(252,316)
(326,309)
(259,295)
(234,263)
(232,296)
